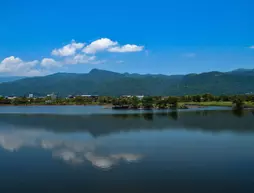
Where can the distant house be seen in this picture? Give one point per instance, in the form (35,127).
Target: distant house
(140,97)
(10,97)
(90,96)
(52,96)
(129,96)
(126,96)
(86,95)
(70,97)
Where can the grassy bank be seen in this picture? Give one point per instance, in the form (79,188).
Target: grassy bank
(216,103)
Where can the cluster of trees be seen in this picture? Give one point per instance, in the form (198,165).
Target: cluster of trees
(209,97)
(146,102)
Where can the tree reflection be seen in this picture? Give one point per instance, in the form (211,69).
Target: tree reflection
(148,116)
(238,112)
(173,115)
(104,124)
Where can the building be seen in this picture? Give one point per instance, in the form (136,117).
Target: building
(140,97)
(70,97)
(86,95)
(31,96)
(11,97)
(52,96)
(130,96)
(126,96)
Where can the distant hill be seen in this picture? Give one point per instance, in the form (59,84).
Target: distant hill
(10,78)
(101,82)
(242,71)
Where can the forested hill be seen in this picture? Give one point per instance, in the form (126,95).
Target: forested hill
(101,82)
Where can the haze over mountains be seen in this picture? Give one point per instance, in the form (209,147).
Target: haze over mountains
(10,78)
(102,82)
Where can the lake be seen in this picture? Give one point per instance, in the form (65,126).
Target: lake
(65,149)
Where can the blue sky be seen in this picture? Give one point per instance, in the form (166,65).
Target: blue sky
(169,37)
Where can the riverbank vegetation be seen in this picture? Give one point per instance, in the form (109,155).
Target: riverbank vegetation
(146,102)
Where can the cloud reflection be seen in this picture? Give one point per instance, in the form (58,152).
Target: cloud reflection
(66,149)
(99,161)
(68,156)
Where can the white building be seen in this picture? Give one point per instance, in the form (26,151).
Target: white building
(140,97)
(52,96)
(11,97)
(31,96)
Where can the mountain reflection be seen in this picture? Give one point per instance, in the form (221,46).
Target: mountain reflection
(98,125)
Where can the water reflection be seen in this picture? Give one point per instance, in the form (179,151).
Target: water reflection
(54,133)
(100,125)
(65,148)
(238,112)
(169,151)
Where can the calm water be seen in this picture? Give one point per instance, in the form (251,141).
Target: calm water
(89,149)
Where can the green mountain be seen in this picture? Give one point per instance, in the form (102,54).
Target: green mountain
(101,82)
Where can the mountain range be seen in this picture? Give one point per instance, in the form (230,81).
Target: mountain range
(102,82)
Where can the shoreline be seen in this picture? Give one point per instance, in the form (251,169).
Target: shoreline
(24,105)
(110,106)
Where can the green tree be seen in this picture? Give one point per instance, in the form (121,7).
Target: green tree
(208,97)
(197,98)
(147,102)
(135,102)
(238,104)
(173,102)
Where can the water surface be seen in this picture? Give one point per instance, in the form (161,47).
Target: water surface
(185,151)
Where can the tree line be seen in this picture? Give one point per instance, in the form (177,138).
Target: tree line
(133,102)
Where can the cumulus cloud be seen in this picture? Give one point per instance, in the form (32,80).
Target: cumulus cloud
(80,59)
(72,53)
(99,45)
(15,66)
(126,48)
(252,47)
(68,50)
(76,59)
(49,63)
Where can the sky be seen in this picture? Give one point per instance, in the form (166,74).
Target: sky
(137,36)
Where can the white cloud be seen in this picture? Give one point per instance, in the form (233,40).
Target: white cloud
(73,53)
(15,66)
(79,59)
(252,47)
(126,48)
(68,50)
(49,63)
(76,59)
(99,45)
